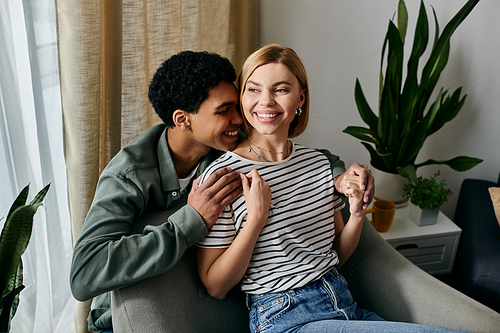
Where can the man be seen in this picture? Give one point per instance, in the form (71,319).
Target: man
(194,95)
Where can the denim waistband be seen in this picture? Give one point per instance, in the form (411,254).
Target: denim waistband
(331,273)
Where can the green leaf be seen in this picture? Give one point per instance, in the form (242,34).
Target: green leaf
(17,284)
(455,102)
(15,280)
(364,109)
(6,315)
(409,99)
(427,90)
(409,111)
(412,142)
(436,27)
(20,200)
(446,111)
(402,19)
(10,300)
(40,195)
(409,172)
(421,38)
(14,240)
(434,110)
(393,137)
(376,159)
(361,133)
(445,37)
(460,163)
(394,70)
(388,127)
(439,55)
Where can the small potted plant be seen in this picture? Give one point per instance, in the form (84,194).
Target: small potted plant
(426,196)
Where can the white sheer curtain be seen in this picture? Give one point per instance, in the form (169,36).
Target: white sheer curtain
(31,152)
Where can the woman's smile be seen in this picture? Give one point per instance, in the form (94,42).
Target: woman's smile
(267,117)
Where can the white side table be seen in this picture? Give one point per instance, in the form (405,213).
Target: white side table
(432,247)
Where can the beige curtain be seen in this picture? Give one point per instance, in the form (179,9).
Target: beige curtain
(108,53)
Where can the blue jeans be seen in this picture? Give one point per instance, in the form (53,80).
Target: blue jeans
(325,305)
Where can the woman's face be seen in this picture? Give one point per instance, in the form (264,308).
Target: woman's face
(271,96)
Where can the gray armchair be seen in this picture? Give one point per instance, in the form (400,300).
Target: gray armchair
(380,280)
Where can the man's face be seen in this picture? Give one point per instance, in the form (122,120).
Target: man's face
(217,121)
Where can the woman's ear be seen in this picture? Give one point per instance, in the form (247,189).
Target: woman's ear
(302,98)
(181,120)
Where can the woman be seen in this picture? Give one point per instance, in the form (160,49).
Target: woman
(284,248)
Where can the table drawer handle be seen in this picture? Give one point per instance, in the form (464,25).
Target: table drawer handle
(406,247)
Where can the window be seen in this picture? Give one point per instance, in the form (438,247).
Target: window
(31,152)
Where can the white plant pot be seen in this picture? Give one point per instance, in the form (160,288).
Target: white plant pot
(423,217)
(389,186)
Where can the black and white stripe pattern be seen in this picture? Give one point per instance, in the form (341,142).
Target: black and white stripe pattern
(295,246)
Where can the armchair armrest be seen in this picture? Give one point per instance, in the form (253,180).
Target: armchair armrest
(384,281)
(176,301)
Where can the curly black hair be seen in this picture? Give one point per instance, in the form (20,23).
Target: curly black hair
(183,80)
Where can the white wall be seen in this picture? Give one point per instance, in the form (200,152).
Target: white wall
(340,41)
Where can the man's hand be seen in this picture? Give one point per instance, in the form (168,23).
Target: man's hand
(210,198)
(366,182)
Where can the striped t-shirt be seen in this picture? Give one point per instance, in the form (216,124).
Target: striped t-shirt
(295,246)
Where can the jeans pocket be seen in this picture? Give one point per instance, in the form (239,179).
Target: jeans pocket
(266,310)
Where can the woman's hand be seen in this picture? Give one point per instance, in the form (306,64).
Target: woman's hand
(355,195)
(347,236)
(257,196)
(222,269)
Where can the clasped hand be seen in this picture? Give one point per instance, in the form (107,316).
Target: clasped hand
(351,188)
(365,182)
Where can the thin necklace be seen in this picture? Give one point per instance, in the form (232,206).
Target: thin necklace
(250,149)
(269,151)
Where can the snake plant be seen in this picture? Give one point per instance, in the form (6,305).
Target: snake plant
(15,236)
(403,124)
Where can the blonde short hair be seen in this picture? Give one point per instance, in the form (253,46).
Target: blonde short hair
(275,53)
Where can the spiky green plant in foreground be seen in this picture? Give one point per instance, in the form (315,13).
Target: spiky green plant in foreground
(402,126)
(15,236)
